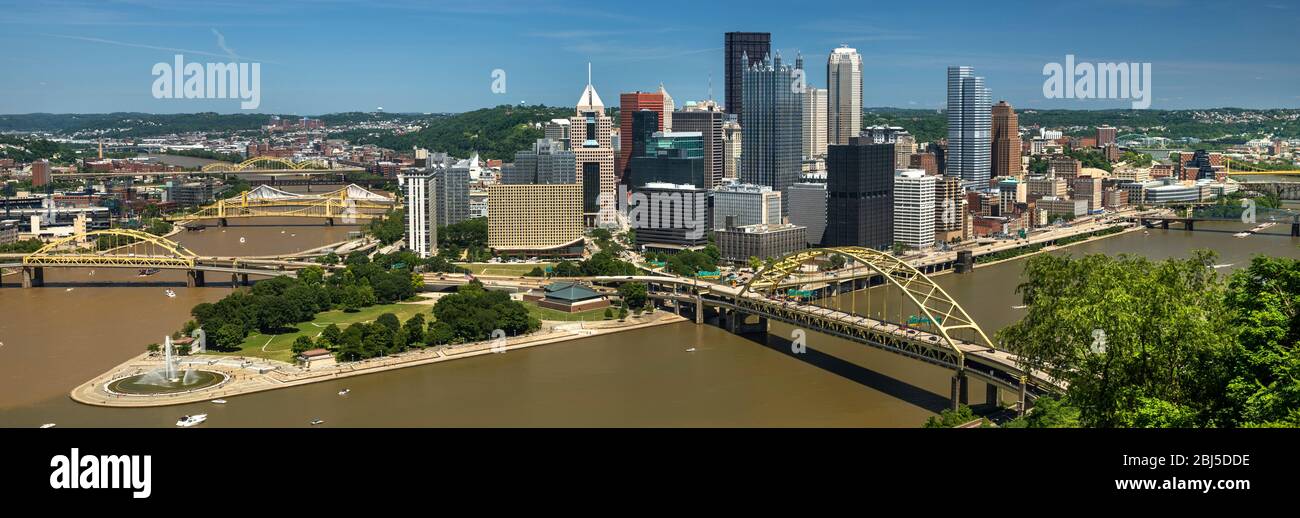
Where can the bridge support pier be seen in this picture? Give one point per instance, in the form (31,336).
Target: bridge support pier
(243,279)
(1164,223)
(33,276)
(194,279)
(1020,406)
(222,222)
(1295,230)
(329,221)
(991,395)
(1189,225)
(959,388)
(699,310)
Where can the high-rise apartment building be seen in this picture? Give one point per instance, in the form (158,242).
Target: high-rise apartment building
(814,123)
(420,192)
(860,191)
(1106,135)
(40,173)
(453,193)
(773,125)
(742,50)
(844,95)
(708,122)
(1006,141)
(590,133)
(914,208)
(969,126)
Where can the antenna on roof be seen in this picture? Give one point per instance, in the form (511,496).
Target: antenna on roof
(588,73)
(710,86)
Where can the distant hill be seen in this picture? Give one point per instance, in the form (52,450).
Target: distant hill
(493,132)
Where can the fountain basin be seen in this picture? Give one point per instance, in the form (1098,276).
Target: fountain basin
(151,384)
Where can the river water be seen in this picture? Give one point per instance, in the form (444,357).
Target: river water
(54,339)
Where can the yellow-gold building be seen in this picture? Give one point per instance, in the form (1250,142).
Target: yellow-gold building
(535,219)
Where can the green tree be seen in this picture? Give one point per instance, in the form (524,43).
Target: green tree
(228,336)
(950,418)
(388,320)
(634,294)
(303,343)
(609,313)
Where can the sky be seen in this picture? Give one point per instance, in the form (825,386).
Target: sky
(325,56)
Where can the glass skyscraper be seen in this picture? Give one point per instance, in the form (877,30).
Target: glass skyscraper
(773,124)
(970,127)
(742,50)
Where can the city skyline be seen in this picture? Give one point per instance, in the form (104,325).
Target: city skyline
(420,48)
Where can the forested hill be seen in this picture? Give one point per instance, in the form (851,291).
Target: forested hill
(132,124)
(493,132)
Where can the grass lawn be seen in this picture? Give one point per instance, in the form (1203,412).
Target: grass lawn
(279,347)
(550,314)
(503,269)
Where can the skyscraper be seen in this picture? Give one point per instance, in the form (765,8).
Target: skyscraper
(844,95)
(742,50)
(420,191)
(670,157)
(629,104)
(547,163)
(453,193)
(773,125)
(732,142)
(708,122)
(860,194)
(666,115)
(814,125)
(590,135)
(645,124)
(969,126)
(914,208)
(1006,141)
(808,209)
(1106,135)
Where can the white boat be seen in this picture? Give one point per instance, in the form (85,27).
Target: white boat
(219,401)
(187,421)
(344,392)
(48,425)
(241,239)
(1217,266)
(171,294)
(1019,307)
(1241,234)
(691,350)
(315,422)
(69,289)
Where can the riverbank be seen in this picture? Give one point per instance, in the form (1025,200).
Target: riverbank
(1052,248)
(247,377)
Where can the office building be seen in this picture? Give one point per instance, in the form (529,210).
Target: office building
(558,130)
(814,123)
(925,162)
(737,243)
(631,108)
(951,221)
(808,209)
(731,147)
(420,192)
(742,50)
(914,208)
(860,185)
(453,193)
(547,163)
(666,116)
(708,122)
(749,205)
(1059,208)
(1006,141)
(773,125)
(674,218)
(1088,188)
(188,193)
(969,126)
(675,158)
(535,220)
(1044,186)
(590,133)
(844,95)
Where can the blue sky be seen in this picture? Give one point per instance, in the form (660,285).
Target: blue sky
(326,56)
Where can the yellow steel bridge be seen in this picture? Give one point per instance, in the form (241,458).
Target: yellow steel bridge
(341,204)
(120,248)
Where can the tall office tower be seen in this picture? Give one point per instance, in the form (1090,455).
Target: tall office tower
(558,130)
(1010,192)
(904,146)
(923,161)
(773,123)
(1006,141)
(668,107)
(844,95)
(814,124)
(670,157)
(420,190)
(629,104)
(969,126)
(808,209)
(914,208)
(547,163)
(732,141)
(749,204)
(860,192)
(742,50)
(590,134)
(949,210)
(708,122)
(453,193)
(535,219)
(680,217)
(1106,135)
(644,126)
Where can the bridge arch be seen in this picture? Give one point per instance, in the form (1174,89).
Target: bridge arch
(279,162)
(943,313)
(164,252)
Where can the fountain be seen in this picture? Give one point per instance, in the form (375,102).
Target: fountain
(165,379)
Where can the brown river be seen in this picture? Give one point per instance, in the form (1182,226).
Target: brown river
(81,324)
